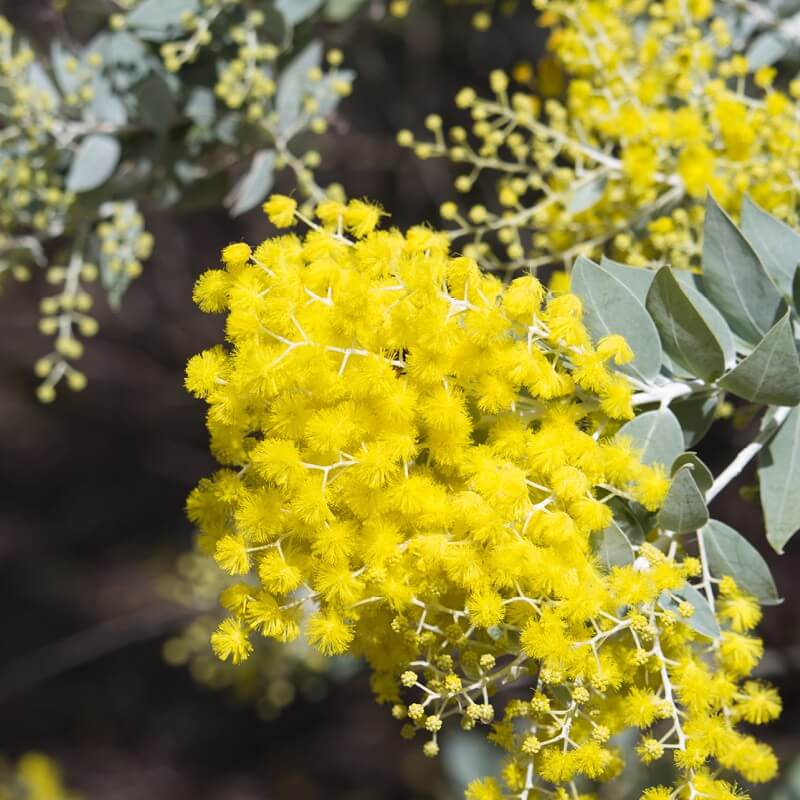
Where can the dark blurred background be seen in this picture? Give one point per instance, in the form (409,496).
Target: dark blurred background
(92,491)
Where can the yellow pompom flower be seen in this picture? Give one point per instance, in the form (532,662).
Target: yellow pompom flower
(329,633)
(281,210)
(361,218)
(236,255)
(758,703)
(230,641)
(231,554)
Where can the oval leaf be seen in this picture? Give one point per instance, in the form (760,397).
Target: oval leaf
(613,547)
(735,280)
(155,20)
(684,334)
(340,10)
(779,480)
(292,83)
(254,185)
(657,435)
(632,519)
(611,307)
(771,373)
(40,80)
(295,11)
(777,245)
(766,49)
(700,472)
(94,163)
(729,553)
(587,194)
(721,330)
(684,508)
(637,279)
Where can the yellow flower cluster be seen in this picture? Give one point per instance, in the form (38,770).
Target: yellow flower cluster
(250,80)
(121,245)
(656,113)
(38,126)
(417,462)
(34,200)
(33,777)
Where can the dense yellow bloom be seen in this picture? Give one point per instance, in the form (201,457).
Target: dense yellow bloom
(656,114)
(418,464)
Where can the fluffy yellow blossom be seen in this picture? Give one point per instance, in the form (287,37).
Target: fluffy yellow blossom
(655,114)
(280,210)
(419,466)
(230,641)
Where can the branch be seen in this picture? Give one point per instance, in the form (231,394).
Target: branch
(769,426)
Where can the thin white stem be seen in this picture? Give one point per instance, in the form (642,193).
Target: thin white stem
(769,427)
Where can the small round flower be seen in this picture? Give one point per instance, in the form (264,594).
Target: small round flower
(230,641)
(236,255)
(408,678)
(281,210)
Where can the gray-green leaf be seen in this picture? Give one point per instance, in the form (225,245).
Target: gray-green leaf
(684,508)
(254,185)
(779,480)
(637,279)
(771,373)
(634,520)
(295,11)
(611,307)
(69,79)
(702,620)
(657,435)
(613,547)
(339,10)
(729,553)
(735,279)
(292,83)
(692,286)
(126,58)
(201,106)
(796,290)
(700,472)
(39,79)
(777,245)
(587,194)
(685,336)
(766,49)
(105,105)
(155,20)
(94,163)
